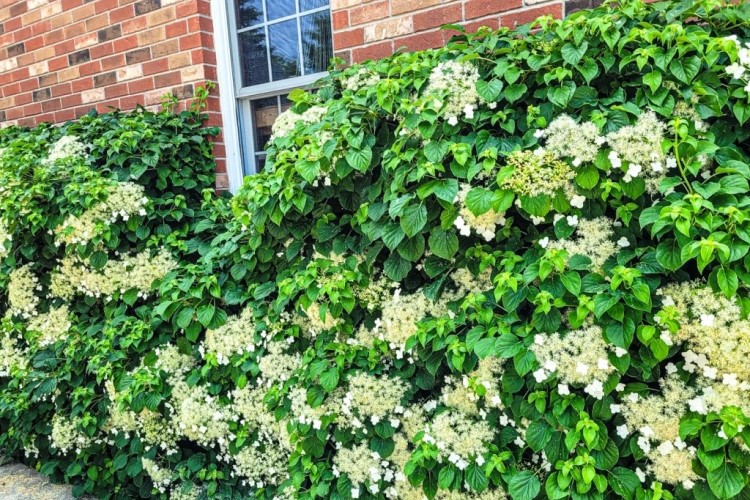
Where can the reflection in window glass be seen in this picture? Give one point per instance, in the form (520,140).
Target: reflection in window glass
(249,13)
(312,4)
(280,8)
(254,57)
(264,112)
(284,50)
(317,48)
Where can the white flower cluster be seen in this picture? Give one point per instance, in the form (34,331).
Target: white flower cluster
(200,416)
(276,366)
(741,69)
(565,138)
(13,357)
(263,465)
(579,357)
(22,289)
(364,468)
(468,392)
(6,237)
(453,89)
(236,336)
(51,326)
(371,399)
(640,145)
(125,199)
(66,437)
(361,79)
(484,225)
(593,239)
(287,120)
(656,420)
(66,146)
(459,438)
(161,477)
(138,272)
(712,328)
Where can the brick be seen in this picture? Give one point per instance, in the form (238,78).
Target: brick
(89,68)
(61,89)
(389,28)
(131,101)
(133,25)
(138,55)
(26,59)
(102,50)
(22,34)
(2,115)
(129,72)
(191,41)
(85,11)
(490,22)
(165,48)
(109,33)
(161,16)
(420,41)
(92,95)
(70,4)
(481,8)
(113,62)
(97,22)
(79,57)
(8,64)
(41,94)
(82,84)
(145,6)
(368,12)
(61,20)
(151,36)
(51,105)
(31,17)
(51,9)
(105,79)
(118,90)
(121,14)
(71,100)
(67,74)
(16,50)
(403,6)
(526,16)
(183,92)
(126,43)
(84,41)
(64,115)
(176,29)
(340,20)
(167,79)
(18,8)
(39,28)
(105,5)
(575,5)
(192,73)
(141,86)
(32,109)
(350,38)
(343,4)
(48,79)
(437,17)
(373,51)
(38,68)
(179,60)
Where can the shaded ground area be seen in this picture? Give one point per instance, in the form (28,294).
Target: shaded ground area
(18,482)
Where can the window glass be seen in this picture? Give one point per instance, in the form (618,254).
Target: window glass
(280,8)
(312,4)
(254,57)
(284,50)
(317,47)
(249,13)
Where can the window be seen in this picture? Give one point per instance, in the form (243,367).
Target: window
(278,45)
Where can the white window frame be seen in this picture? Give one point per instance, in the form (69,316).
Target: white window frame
(235,99)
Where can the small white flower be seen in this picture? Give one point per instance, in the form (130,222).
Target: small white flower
(623,242)
(708,320)
(540,375)
(735,70)
(577,201)
(452,120)
(577,162)
(622,431)
(563,389)
(641,475)
(572,220)
(544,242)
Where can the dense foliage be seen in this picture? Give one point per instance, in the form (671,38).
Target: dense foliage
(514,267)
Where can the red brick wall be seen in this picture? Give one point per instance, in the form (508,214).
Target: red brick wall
(368,29)
(61,58)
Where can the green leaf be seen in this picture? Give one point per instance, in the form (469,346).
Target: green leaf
(669,254)
(485,347)
(587,177)
(329,379)
(573,54)
(206,314)
(475,478)
(653,80)
(185,317)
(479,201)
(413,219)
(359,159)
(685,68)
(572,282)
(392,235)
(490,91)
(538,434)
(443,243)
(624,482)
(524,486)
(396,267)
(446,476)
(726,481)
(560,96)
(98,259)
(515,92)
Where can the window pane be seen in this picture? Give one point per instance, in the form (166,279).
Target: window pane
(253,57)
(249,12)
(311,4)
(265,111)
(280,8)
(317,48)
(284,50)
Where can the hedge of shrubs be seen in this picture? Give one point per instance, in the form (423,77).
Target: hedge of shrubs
(516,266)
